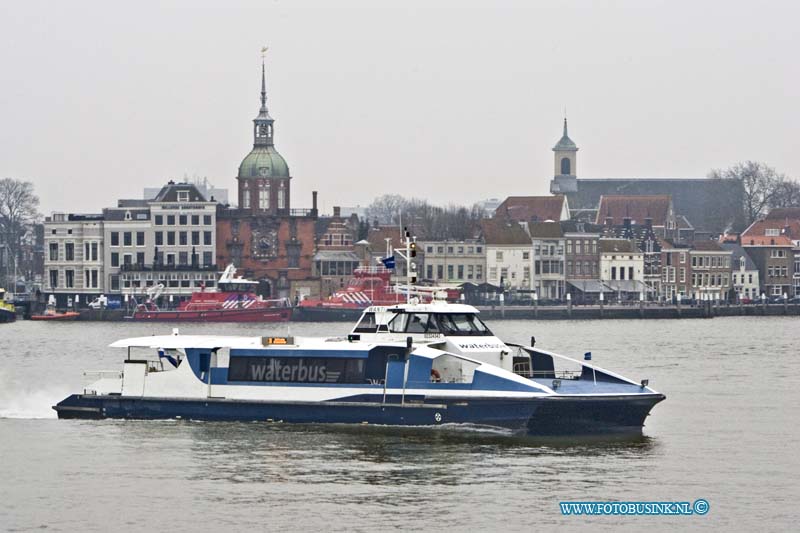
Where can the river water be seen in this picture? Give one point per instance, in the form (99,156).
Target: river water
(728,432)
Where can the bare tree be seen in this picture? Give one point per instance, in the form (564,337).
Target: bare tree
(786,195)
(760,185)
(427,221)
(18,211)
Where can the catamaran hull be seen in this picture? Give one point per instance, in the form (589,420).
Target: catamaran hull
(546,416)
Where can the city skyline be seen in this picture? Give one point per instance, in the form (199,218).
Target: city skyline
(471,96)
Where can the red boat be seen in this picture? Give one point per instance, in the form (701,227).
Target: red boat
(235,300)
(51,314)
(368,286)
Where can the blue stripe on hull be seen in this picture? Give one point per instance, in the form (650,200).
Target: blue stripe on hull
(548,416)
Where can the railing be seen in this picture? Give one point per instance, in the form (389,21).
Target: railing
(137,267)
(557,374)
(101,374)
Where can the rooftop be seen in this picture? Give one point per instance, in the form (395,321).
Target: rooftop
(638,208)
(498,231)
(532,208)
(618,246)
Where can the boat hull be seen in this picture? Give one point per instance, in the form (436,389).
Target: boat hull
(7,316)
(59,317)
(548,416)
(327,314)
(270,314)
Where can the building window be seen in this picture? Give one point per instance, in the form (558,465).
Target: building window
(170,220)
(246,198)
(526,255)
(565,166)
(450,272)
(493,274)
(498,256)
(127,239)
(195,238)
(282,196)
(208,258)
(54,279)
(503,274)
(569,267)
(183,258)
(114,259)
(114,238)
(95,254)
(195,220)
(206,220)
(159,220)
(683,275)
(439,271)
(183,239)
(70,279)
(127,259)
(613,272)
(53,251)
(171,238)
(183,220)
(140,258)
(139,238)
(460,271)
(207,238)
(183,196)
(470,271)
(526,273)
(479,271)
(159,238)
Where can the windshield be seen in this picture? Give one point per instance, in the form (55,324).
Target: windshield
(454,324)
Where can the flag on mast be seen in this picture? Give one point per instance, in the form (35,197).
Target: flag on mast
(388,262)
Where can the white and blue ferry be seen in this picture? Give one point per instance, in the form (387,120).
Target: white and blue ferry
(411,364)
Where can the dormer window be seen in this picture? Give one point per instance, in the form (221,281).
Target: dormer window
(183,196)
(771,232)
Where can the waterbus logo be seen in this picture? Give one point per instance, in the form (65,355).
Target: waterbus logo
(296,371)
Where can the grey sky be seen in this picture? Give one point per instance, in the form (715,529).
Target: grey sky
(454,103)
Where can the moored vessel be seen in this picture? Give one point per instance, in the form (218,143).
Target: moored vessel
(8,312)
(234,300)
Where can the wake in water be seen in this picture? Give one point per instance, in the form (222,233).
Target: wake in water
(18,401)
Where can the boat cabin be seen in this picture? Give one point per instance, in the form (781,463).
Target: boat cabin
(454,328)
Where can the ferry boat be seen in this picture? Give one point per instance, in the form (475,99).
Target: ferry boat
(234,300)
(408,364)
(369,285)
(8,312)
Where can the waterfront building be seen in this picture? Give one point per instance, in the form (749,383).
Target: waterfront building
(549,280)
(74,257)
(508,253)
(676,271)
(533,208)
(335,258)
(451,263)
(622,269)
(265,237)
(710,204)
(770,244)
(204,186)
(710,271)
(582,256)
(744,275)
(648,242)
(168,241)
(790,217)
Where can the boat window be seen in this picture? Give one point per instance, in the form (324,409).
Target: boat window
(462,324)
(421,323)
(398,323)
(368,324)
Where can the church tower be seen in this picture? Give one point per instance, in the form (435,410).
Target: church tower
(263,174)
(565,158)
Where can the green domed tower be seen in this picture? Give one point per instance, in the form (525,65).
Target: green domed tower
(263,174)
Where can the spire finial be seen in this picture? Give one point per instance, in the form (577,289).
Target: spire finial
(263,79)
(565,126)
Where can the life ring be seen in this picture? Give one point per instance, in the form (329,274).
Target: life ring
(436,377)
